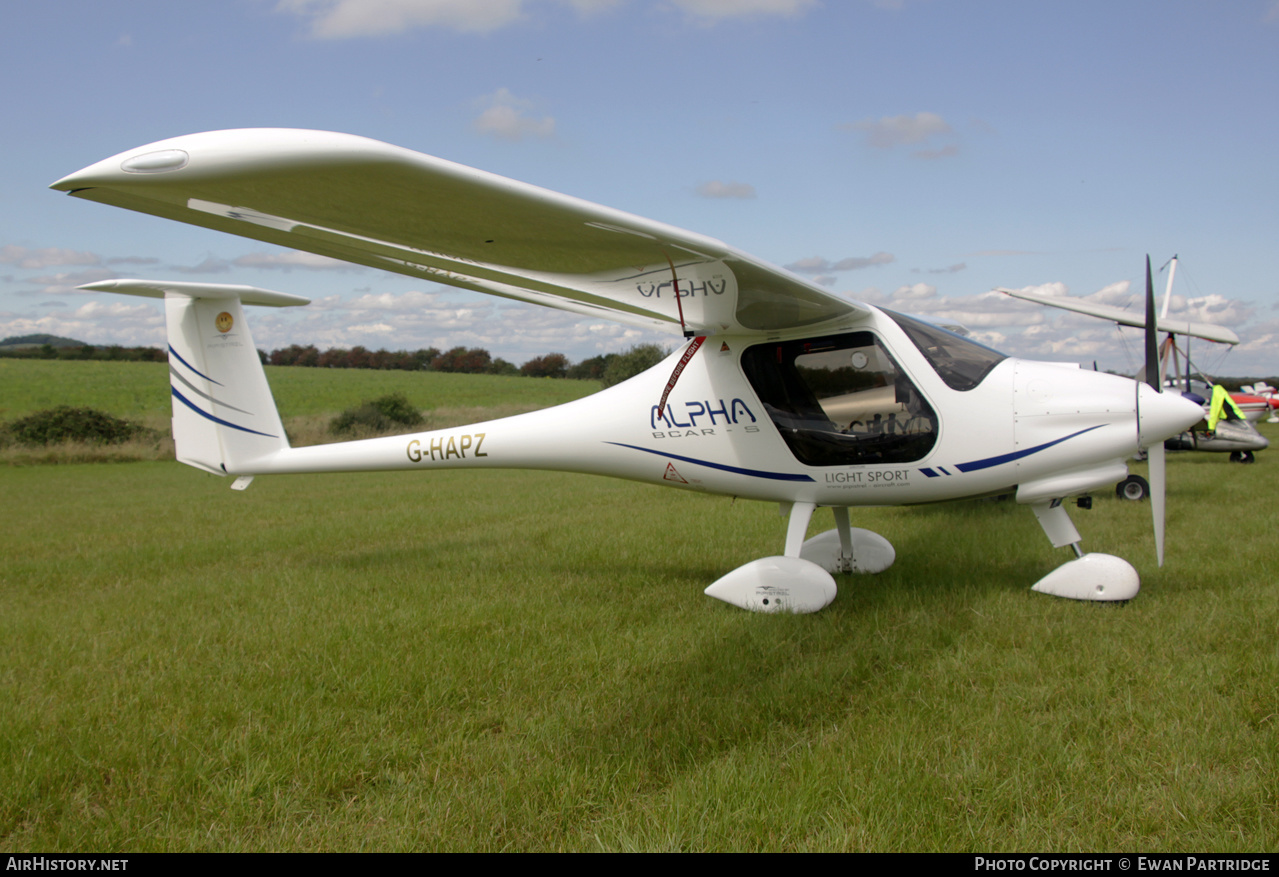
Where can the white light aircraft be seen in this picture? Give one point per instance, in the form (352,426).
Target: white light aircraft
(781,392)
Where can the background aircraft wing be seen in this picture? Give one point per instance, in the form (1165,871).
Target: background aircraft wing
(1206,331)
(379,205)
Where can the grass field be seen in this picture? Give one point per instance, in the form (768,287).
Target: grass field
(508,660)
(140,390)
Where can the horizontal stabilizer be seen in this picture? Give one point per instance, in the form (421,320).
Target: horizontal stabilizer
(249,295)
(1206,331)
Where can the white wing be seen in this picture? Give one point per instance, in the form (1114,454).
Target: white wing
(1206,331)
(374,204)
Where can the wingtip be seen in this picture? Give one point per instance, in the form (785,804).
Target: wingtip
(200,149)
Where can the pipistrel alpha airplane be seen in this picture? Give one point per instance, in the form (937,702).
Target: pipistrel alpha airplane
(781,392)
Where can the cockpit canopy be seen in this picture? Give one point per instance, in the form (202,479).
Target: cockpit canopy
(841,400)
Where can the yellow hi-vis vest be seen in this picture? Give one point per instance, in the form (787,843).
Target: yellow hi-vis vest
(1220,399)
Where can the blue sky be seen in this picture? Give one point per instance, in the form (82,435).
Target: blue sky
(910,153)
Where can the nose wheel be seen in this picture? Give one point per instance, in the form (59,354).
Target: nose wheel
(1134,488)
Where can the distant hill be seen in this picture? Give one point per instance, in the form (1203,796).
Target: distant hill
(40,340)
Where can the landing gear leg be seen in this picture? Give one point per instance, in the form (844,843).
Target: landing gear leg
(800,514)
(849,549)
(1088,576)
(845,560)
(1057,525)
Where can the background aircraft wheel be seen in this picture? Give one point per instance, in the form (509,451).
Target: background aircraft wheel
(1134,487)
(1242,457)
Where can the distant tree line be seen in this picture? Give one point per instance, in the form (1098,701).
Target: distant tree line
(471,361)
(85,351)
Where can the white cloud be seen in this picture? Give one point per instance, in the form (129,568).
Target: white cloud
(949,269)
(809,265)
(819,265)
(987,311)
(506,117)
(717,10)
(372,329)
(719,189)
(96,322)
(413,301)
(915,292)
(590,7)
(341,19)
(856,263)
(891,131)
(345,19)
(23,257)
(1261,339)
(1215,309)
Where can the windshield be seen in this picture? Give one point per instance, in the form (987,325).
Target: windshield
(962,363)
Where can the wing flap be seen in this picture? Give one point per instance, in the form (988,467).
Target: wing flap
(374,204)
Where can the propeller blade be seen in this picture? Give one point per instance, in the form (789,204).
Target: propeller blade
(1152,334)
(1154,453)
(1157,483)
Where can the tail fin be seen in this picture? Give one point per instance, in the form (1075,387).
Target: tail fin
(224,416)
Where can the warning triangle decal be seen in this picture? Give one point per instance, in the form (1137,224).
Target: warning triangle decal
(672,475)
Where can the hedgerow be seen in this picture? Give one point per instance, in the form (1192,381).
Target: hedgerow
(378,415)
(66,423)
